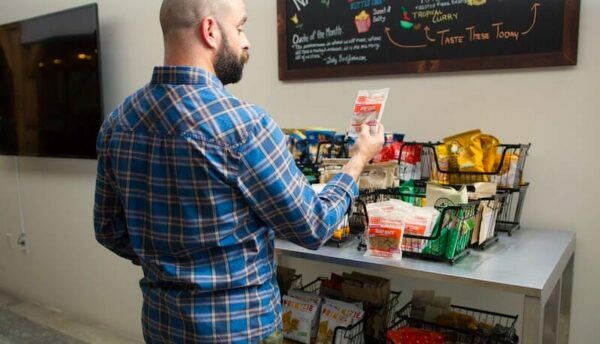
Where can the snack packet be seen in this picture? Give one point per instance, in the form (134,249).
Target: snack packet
(354,311)
(444,196)
(409,335)
(331,318)
(305,296)
(368,109)
(300,319)
(385,232)
(336,314)
(465,153)
(509,176)
(378,176)
(410,162)
(420,222)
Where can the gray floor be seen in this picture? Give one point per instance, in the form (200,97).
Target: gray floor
(22,322)
(15,329)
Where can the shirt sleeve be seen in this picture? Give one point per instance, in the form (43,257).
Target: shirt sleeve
(281,196)
(109,216)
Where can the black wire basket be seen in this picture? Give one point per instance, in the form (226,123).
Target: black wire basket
(420,162)
(487,220)
(484,328)
(355,334)
(449,239)
(309,163)
(423,162)
(509,217)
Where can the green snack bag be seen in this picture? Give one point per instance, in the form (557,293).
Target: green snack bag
(408,188)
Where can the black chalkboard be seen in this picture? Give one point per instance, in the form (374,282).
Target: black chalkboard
(329,38)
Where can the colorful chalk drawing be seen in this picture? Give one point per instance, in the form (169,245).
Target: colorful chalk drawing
(406,22)
(363,22)
(476,2)
(445,37)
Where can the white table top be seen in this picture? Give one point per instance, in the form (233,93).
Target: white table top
(528,263)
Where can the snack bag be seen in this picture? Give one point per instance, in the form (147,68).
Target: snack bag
(489,146)
(377,176)
(391,148)
(335,314)
(407,335)
(317,136)
(510,176)
(444,196)
(385,232)
(410,162)
(331,167)
(354,311)
(305,296)
(465,153)
(299,319)
(419,222)
(331,318)
(439,171)
(368,108)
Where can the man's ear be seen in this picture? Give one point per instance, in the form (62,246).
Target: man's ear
(209,32)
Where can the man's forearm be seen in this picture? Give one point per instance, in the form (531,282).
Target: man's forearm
(355,166)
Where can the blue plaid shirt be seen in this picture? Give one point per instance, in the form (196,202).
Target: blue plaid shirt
(193,184)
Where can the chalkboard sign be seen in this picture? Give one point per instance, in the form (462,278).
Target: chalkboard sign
(339,38)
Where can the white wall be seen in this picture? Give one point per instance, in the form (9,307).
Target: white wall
(554,108)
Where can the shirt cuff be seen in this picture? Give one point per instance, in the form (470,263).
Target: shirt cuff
(346,183)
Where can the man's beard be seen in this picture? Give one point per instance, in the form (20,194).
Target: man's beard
(228,67)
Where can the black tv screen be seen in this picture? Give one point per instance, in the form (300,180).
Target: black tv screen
(50,85)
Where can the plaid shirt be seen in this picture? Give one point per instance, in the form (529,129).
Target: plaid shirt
(193,184)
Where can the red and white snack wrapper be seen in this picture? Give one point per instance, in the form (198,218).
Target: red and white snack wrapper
(368,108)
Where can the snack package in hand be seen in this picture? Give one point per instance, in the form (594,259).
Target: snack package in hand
(368,109)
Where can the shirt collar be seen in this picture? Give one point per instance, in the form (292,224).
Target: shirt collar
(184,75)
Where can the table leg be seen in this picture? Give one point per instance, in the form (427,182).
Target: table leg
(565,304)
(551,315)
(533,320)
(549,323)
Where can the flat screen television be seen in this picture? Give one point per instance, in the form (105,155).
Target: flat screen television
(50,85)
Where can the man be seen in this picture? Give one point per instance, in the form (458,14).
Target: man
(193,184)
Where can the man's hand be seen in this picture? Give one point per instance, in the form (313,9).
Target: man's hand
(366,147)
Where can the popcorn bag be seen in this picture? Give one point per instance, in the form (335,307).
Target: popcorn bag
(363,22)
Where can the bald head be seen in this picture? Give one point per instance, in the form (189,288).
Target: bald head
(183,15)
(206,33)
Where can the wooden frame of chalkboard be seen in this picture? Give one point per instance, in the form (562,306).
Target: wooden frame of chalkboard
(564,35)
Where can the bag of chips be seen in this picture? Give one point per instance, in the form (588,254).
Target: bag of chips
(300,319)
(335,314)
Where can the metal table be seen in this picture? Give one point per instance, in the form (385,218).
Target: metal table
(537,264)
